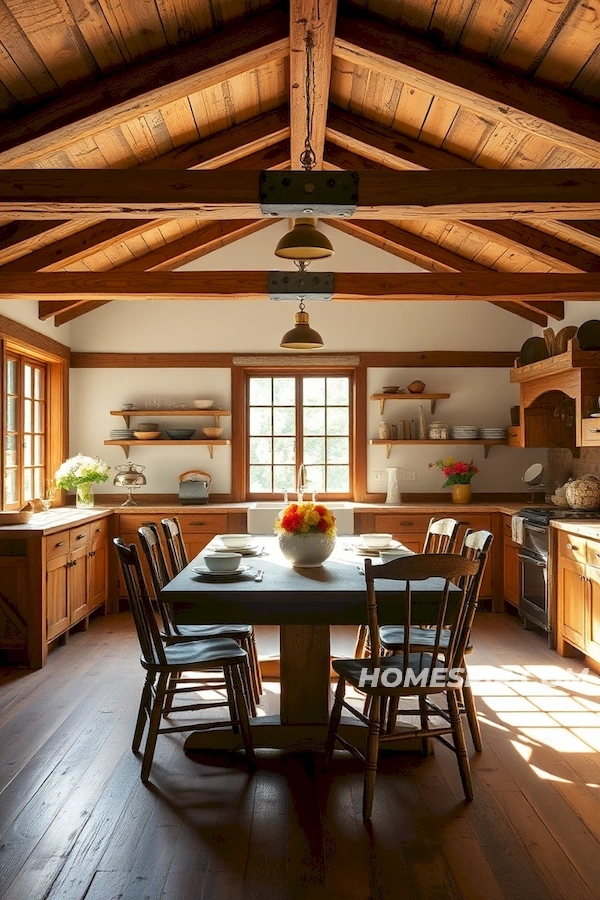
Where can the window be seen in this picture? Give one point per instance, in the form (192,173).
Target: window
(25,429)
(294,419)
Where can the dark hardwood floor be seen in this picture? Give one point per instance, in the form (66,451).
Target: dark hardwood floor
(76,822)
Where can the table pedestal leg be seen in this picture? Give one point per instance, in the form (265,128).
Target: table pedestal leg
(305,684)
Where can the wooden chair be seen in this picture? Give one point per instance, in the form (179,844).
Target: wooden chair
(476,546)
(162,660)
(175,634)
(441,536)
(179,560)
(434,671)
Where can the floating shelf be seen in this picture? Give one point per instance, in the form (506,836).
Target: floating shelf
(127,413)
(481,443)
(408,396)
(127,444)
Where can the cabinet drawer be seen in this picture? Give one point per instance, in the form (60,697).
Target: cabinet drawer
(475,522)
(200,523)
(79,537)
(593,553)
(590,432)
(572,546)
(396,524)
(57,544)
(98,530)
(515,436)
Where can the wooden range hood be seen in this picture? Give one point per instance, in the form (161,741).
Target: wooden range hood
(557,396)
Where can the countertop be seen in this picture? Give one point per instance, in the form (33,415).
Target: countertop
(585,527)
(55,520)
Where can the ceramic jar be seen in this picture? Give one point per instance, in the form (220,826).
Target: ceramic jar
(584,494)
(306,551)
(461,493)
(439,431)
(385,432)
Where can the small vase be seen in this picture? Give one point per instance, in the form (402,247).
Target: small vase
(393,488)
(85,495)
(306,550)
(461,493)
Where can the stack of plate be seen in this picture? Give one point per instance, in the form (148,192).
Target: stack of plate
(122,434)
(464,432)
(492,434)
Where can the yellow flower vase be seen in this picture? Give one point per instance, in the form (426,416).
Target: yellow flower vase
(461,493)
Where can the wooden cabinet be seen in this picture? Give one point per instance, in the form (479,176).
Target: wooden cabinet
(98,564)
(578,594)
(515,436)
(57,596)
(572,587)
(590,432)
(511,567)
(76,575)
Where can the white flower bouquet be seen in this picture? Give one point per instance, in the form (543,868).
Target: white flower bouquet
(81,470)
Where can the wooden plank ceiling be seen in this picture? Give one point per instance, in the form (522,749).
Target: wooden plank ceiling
(392,84)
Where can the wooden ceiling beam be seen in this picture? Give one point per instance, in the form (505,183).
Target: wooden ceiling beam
(430,256)
(312,25)
(383,146)
(479,86)
(145,87)
(383,194)
(253,285)
(212,236)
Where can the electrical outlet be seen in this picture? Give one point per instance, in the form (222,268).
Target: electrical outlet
(408,476)
(378,476)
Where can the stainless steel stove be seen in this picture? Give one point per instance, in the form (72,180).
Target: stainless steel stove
(533,558)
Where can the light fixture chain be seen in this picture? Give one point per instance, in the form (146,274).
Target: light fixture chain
(308,157)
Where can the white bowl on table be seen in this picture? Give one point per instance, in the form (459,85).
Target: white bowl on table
(388,555)
(235,541)
(222,562)
(375,541)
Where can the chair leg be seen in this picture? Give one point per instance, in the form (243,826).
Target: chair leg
(471,710)
(460,747)
(232,700)
(255,666)
(246,676)
(171,683)
(392,715)
(426,743)
(143,711)
(372,754)
(154,725)
(238,687)
(334,721)
(361,642)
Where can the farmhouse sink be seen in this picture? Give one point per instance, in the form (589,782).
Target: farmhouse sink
(261,516)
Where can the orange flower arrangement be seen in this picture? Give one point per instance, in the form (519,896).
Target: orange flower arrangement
(305,518)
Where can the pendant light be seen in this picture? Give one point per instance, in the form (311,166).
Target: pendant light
(304,242)
(301,336)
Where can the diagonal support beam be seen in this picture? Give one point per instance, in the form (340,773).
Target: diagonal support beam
(145,87)
(312,25)
(477,85)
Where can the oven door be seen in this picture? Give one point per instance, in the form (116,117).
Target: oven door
(534,589)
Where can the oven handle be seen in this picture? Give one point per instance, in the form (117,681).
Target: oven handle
(537,562)
(531,527)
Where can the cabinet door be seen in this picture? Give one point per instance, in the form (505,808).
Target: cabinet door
(512,573)
(572,590)
(592,643)
(57,602)
(195,543)
(98,573)
(77,583)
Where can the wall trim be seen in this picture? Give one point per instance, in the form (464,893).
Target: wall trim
(22,334)
(422,359)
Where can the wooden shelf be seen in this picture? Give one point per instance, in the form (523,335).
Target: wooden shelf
(408,396)
(573,358)
(127,444)
(478,442)
(174,413)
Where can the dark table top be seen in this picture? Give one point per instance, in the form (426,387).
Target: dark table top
(333,594)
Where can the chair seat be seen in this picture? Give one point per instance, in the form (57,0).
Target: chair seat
(201,632)
(392,637)
(351,670)
(193,655)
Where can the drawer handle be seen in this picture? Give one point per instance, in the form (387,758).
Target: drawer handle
(197,523)
(406,523)
(572,547)
(60,544)
(594,430)
(92,553)
(80,537)
(148,524)
(97,530)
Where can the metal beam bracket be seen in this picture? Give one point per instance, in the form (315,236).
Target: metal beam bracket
(318,194)
(300,285)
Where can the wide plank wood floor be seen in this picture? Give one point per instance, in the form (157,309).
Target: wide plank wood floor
(76,822)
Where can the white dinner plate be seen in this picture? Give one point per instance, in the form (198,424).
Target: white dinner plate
(369,551)
(204,570)
(249,550)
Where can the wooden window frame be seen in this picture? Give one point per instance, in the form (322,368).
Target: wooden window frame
(22,360)
(240,462)
(16,339)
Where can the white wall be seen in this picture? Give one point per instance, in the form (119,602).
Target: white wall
(479,396)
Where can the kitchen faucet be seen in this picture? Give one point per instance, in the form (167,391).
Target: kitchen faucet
(302,482)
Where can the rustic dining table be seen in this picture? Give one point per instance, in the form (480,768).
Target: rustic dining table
(304,603)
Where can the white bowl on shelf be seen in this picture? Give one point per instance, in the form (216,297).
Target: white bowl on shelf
(235,541)
(203,404)
(222,562)
(375,541)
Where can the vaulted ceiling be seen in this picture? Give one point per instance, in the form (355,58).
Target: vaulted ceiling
(392,84)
